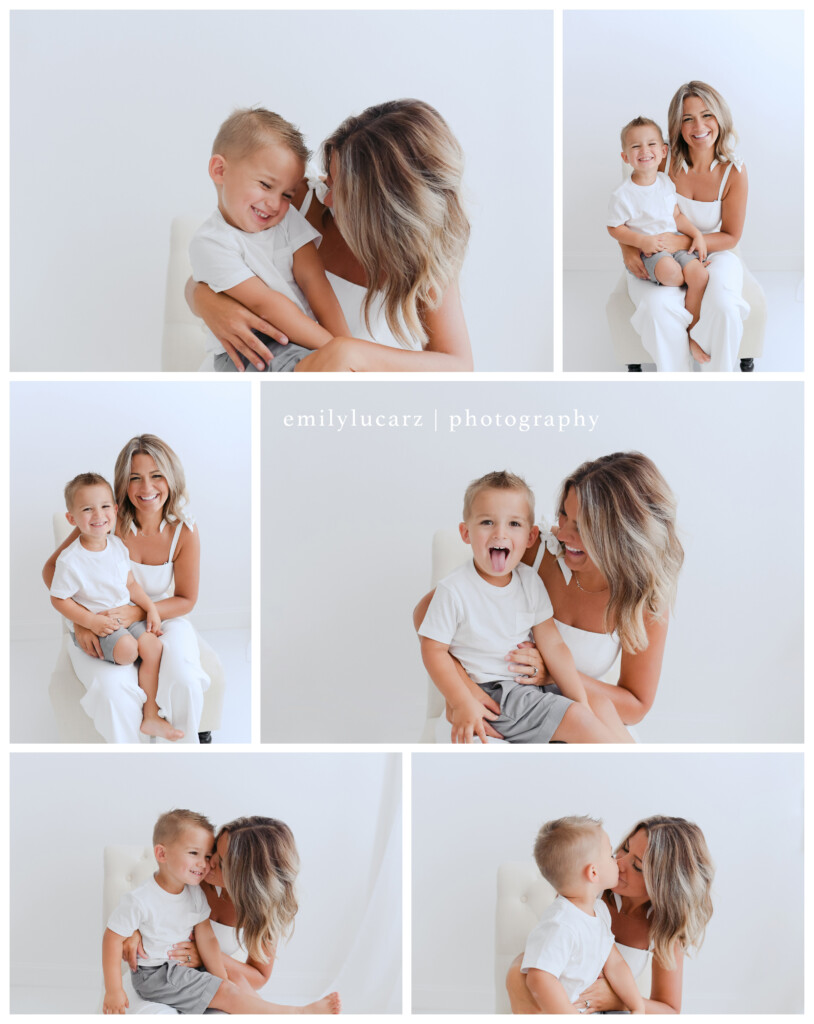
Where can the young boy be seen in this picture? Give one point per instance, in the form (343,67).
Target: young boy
(165,910)
(259,249)
(92,575)
(644,209)
(572,942)
(485,609)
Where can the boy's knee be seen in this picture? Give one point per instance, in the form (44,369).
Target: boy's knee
(226,994)
(669,272)
(696,273)
(126,651)
(149,645)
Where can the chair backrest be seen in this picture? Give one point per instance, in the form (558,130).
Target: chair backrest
(126,867)
(183,346)
(448,552)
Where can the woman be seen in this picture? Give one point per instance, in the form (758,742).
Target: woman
(611,572)
(394,235)
(250,890)
(712,189)
(659,907)
(165,556)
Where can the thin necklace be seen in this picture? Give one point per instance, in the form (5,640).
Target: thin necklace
(585,591)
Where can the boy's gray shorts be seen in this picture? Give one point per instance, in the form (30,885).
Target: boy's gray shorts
(682,259)
(107,643)
(528,714)
(186,989)
(285,358)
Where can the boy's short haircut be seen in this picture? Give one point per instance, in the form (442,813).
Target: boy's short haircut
(499,480)
(640,122)
(564,846)
(84,480)
(251,128)
(171,824)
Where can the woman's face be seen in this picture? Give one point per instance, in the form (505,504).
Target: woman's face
(629,858)
(699,126)
(147,488)
(215,876)
(568,534)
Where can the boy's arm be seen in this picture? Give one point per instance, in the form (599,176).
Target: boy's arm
(467,713)
(209,950)
(648,244)
(559,661)
(309,273)
(620,978)
(139,597)
(281,311)
(115,999)
(101,624)
(548,993)
(686,227)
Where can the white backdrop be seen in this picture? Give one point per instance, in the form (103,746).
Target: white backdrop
(349,515)
(618,64)
(135,99)
(470,815)
(344,811)
(61,429)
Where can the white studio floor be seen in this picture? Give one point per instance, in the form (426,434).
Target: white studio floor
(587,342)
(32,661)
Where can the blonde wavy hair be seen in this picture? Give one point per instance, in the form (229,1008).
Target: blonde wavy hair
(167,463)
(678,874)
(259,871)
(397,202)
(714,102)
(626,522)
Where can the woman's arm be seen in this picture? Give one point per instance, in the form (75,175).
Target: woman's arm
(232,324)
(733,214)
(187,572)
(448,349)
(665,991)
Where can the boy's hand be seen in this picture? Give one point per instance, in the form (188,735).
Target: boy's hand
(652,244)
(468,721)
(103,624)
(699,245)
(115,1002)
(154,623)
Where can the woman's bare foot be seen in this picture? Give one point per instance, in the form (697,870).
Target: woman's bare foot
(698,354)
(160,727)
(328,1004)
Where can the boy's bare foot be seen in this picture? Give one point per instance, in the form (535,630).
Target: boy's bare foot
(328,1004)
(698,354)
(160,727)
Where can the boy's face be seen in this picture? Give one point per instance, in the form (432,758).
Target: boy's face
(93,511)
(606,866)
(255,191)
(500,530)
(185,860)
(644,148)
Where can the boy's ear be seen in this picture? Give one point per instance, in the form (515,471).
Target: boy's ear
(624,157)
(160,853)
(216,165)
(535,533)
(70,518)
(463,529)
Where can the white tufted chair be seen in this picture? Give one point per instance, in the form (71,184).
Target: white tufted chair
(522,896)
(66,691)
(182,346)
(627,345)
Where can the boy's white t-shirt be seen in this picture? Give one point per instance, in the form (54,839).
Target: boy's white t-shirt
(163,918)
(482,623)
(649,209)
(95,579)
(224,257)
(570,944)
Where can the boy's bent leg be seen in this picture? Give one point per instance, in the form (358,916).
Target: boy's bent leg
(581,725)
(152,724)
(531,714)
(605,710)
(125,649)
(668,272)
(520,999)
(233,999)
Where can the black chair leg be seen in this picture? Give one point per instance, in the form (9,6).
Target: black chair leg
(747,366)
(204,737)
(634,367)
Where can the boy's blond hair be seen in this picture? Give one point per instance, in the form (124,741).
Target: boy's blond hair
(564,846)
(499,480)
(84,480)
(640,122)
(172,823)
(250,128)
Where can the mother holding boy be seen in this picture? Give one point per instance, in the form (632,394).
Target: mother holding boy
(659,909)
(165,555)
(712,189)
(394,234)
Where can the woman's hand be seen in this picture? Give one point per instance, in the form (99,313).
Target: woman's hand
(127,614)
(186,953)
(600,998)
(132,949)
(233,324)
(88,641)
(483,698)
(633,263)
(527,661)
